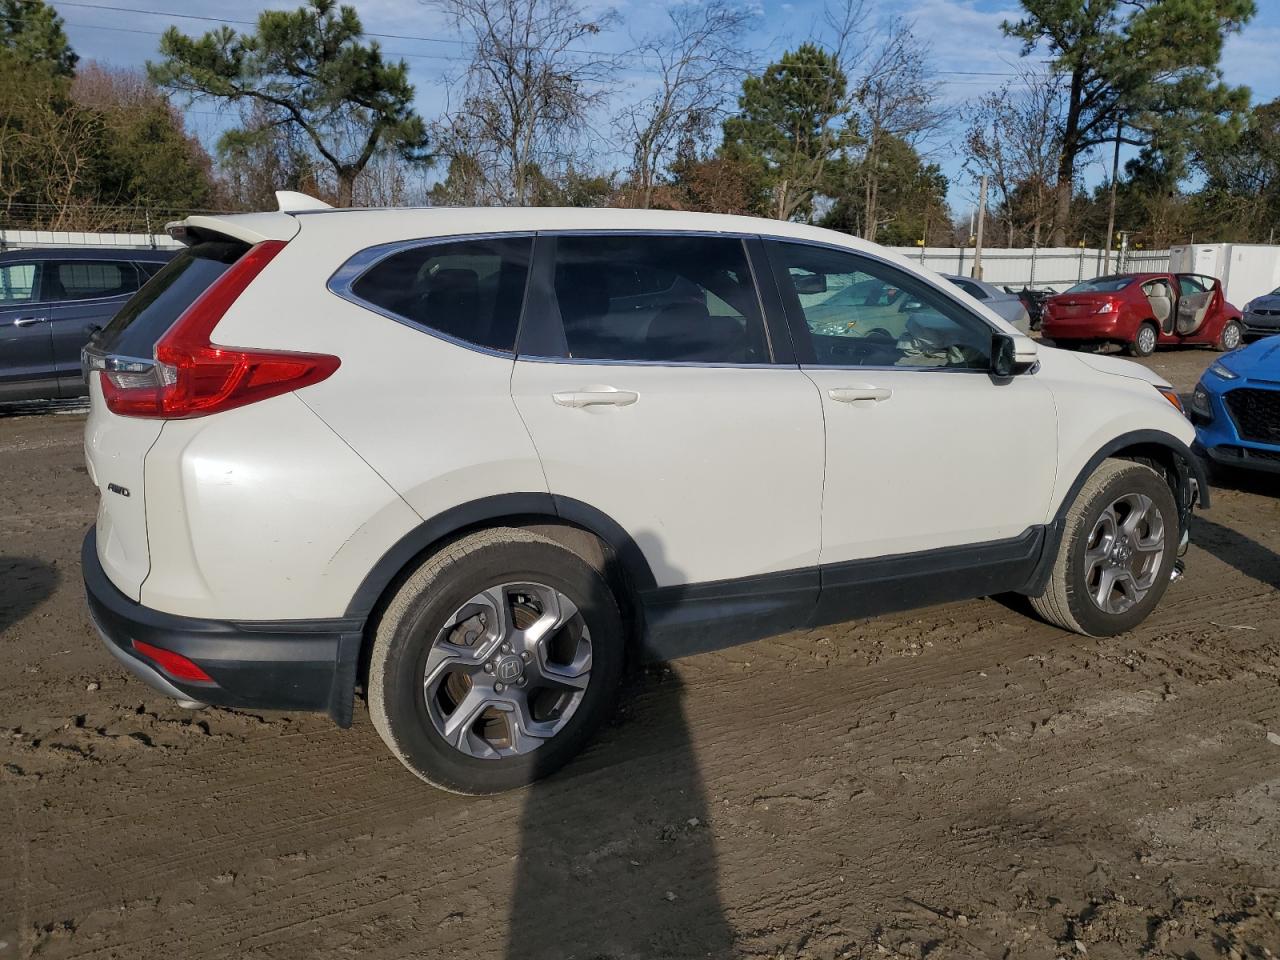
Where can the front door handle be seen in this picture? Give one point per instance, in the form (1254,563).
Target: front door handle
(28,321)
(852,394)
(596,396)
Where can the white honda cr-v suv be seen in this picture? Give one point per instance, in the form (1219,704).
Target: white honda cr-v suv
(473,460)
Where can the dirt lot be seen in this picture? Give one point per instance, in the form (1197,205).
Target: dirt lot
(959,782)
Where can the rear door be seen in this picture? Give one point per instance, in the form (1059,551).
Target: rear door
(83,296)
(669,413)
(26,348)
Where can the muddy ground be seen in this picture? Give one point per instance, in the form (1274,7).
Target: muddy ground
(958,782)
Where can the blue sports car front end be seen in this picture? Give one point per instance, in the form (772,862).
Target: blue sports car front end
(1236,407)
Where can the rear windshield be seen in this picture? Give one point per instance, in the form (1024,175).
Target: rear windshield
(145,318)
(1101,285)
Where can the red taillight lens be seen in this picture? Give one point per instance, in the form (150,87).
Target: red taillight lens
(193,377)
(1106,306)
(174,664)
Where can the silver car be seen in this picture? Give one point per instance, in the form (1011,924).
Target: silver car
(1007,305)
(1262,315)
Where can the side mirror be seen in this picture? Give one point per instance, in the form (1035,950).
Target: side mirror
(810,282)
(1004,356)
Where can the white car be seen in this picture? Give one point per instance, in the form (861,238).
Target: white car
(471,461)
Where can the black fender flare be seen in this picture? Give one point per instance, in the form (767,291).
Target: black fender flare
(1192,488)
(507,506)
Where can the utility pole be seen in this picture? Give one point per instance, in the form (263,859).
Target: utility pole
(1111,216)
(977,237)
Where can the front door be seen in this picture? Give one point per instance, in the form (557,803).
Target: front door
(1194,300)
(925,451)
(646,379)
(26,347)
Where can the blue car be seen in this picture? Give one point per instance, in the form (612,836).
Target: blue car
(1236,407)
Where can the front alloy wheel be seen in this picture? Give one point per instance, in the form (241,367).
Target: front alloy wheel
(1124,553)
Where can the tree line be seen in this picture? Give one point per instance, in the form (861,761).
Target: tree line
(841,130)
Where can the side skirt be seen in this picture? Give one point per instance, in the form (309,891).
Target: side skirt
(695,618)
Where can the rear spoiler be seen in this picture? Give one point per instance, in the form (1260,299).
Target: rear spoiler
(248,228)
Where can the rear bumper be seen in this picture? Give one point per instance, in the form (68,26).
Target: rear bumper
(273,665)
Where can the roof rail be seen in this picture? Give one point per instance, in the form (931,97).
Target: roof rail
(290,201)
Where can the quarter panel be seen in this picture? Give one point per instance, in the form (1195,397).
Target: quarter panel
(263,513)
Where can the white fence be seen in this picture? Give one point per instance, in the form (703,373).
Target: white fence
(20,239)
(1054,267)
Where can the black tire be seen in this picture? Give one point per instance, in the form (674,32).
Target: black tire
(420,609)
(1231,337)
(1066,601)
(1141,346)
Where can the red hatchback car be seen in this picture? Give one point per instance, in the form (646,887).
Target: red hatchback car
(1142,311)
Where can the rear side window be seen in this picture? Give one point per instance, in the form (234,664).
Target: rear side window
(144,319)
(17,282)
(88,279)
(658,298)
(469,290)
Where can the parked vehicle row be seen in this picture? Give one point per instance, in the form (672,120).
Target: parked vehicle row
(51,302)
(473,460)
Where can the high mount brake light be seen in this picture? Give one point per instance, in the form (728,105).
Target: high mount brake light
(192,376)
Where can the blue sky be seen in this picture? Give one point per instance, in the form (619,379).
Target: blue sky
(968,51)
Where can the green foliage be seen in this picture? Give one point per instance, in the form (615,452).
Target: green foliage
(31,32)
(791,122)
(1151,66)
(912,196)
(1241,195)
(309,69)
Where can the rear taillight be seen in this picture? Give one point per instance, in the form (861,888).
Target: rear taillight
(1106,306)
(191,376)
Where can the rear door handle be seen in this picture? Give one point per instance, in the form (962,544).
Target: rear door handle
(29,321)
(596,396)
(850,394)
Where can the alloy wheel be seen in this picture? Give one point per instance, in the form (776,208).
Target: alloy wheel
(1124,552)
(508,670)
(1146,340)
(1231,337)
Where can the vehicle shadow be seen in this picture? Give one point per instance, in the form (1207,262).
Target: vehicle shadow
(1245,554)
(24,584)
(39,408)
(616,855)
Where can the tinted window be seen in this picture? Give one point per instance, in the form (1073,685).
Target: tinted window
(470,290)
(88,279)
(1191,285)
(858,311)
(144,319)
(970,288)
(17,282)
(1101,285)
(149,268)
(658,298)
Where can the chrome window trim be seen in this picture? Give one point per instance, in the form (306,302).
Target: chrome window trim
(344,277)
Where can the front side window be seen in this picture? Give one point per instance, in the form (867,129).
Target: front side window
(470,290)
(858,311)
(1191,284)
(658,298)
(89,279)
(17,283)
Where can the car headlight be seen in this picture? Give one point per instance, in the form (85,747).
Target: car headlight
(1248,307)
(1219,369)
(1200,401)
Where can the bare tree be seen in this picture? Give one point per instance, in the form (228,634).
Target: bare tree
(895,98)
(1013,136)
(695,62)
(528,93)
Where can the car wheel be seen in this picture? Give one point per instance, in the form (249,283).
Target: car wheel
(1116,553)
(1231,337)
(495,662)
(1144,341)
